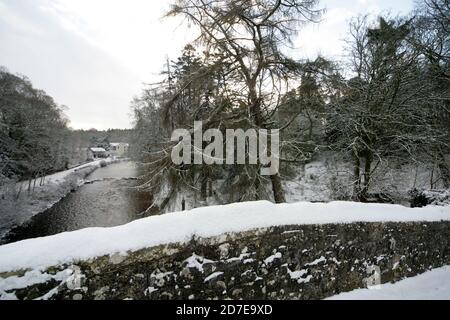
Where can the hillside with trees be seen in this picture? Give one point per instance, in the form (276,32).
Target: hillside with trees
(33,131)
(35,137)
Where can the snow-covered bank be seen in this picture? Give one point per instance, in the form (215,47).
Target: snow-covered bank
(14,212)
(62,175)
(201,222)
(432,285)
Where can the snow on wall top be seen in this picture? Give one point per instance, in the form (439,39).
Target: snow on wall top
(179,227)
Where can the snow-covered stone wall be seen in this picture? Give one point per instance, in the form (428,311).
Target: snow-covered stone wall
(284,262)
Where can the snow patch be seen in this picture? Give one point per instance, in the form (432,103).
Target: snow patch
(272,258)
(150,290)
(31,278)
(296,275)
(432,285)
(213,276)
(197,262)
(317,261)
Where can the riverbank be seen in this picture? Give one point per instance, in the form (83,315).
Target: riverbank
(15,211)
(107,198)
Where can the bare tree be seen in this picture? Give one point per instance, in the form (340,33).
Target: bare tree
(382,114)
(432,39)
(247,38)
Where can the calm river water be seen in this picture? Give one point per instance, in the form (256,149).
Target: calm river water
(107,200)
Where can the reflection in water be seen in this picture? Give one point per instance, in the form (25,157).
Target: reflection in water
(107,200)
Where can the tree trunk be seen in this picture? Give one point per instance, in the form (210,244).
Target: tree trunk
(255,110)
(19,192)
(277,187)
(356,176)
(367,176)
(203,184)
(432,177)
(210,188)
(444,169)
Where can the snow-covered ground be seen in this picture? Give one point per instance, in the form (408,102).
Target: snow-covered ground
(14,212)
(432,285)
(312,183)
(62,175)
(329,178)
(180,227)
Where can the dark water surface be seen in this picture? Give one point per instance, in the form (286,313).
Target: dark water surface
(107,200)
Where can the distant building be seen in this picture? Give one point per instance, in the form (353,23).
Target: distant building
(118,149)
(96,153)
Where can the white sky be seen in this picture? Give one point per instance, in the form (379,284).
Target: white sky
(94,55)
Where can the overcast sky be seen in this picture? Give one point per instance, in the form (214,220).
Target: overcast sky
(94,55)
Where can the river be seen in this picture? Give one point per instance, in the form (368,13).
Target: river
(108,199)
